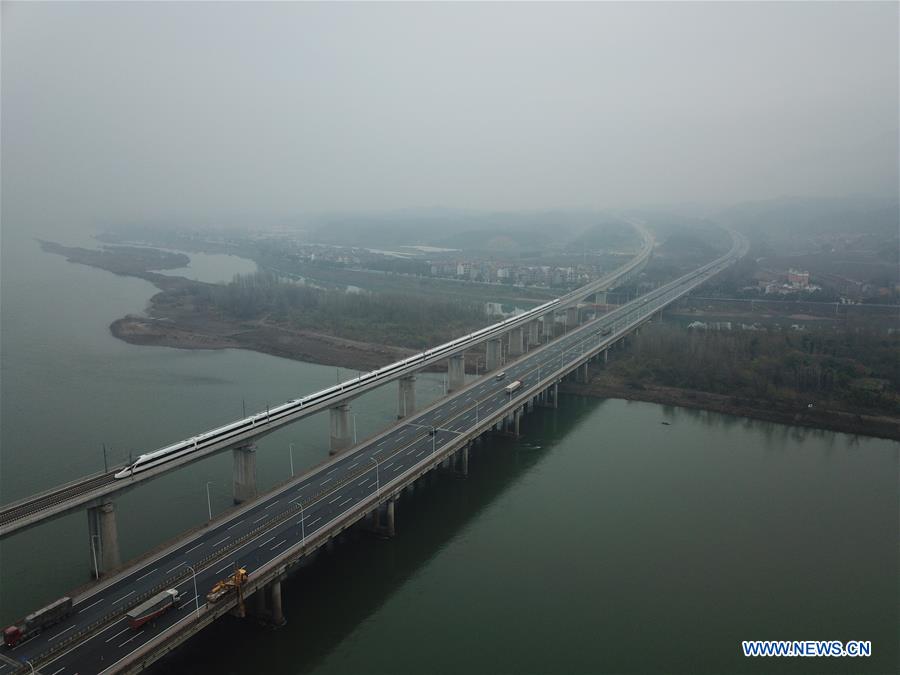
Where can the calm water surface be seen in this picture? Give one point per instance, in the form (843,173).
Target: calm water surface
(602,541)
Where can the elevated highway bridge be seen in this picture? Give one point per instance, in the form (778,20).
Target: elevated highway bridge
(96,491)
(272,535)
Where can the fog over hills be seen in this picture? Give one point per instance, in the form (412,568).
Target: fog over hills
(257,113)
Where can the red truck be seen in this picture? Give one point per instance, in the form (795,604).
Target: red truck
(37,621)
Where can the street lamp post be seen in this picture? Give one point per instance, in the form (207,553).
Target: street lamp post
(208,502)
(377,480)
(302,525)
(196,595)
(94,552)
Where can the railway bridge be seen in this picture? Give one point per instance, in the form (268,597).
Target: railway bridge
(271,536)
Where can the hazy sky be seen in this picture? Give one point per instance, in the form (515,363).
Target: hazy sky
(221,110)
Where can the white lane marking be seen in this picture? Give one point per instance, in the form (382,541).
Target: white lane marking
(123,597)
(91,605)
(266,541)
(221,541)
(259,519)
(181,564)
(219,571)
(331,471)
(332,501)
(315,521)
(118,634)
(388,464)
(397,468)
(55,672)
(63,631)
(234,524)
(326,480)
(131,638)
(373,484)
(352,465)
(185,605)
(193,547)
(362,482)
(349,499)
(107,669)
(147,574)
(270,505)
(382,443)
(421,453)
(278,544)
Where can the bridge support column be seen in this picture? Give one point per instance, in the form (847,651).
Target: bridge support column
(407,403)
(534,337)
(600,297)
(104,539)
(456,373)
(517,419)
(516,342)
(277,610)
(244,473)
(571,318)
(464,460)
(581,375)
(555,395)
(383,522)
(605,356)
(341,439)
(559,327)
(493,354)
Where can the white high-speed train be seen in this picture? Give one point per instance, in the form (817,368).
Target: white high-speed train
(229,431)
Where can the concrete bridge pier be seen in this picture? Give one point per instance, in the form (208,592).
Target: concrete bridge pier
(407,404)
(581,374)
(383,522)
(244,473)
(571,318)
(534,337)
(600,298)
(341,437)
(104,539)
(546,329)
(493,355)
(516,342)
(277,615)
(517,420)
(456,373)
(463,464)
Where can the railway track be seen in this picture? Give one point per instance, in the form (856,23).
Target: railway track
(45,500)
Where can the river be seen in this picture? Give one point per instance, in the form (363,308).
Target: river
(604,540)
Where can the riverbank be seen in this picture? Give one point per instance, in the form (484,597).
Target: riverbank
(604,385)
(162,329)
(178,318)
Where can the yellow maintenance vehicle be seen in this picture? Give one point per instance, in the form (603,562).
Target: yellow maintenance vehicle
(228,585)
